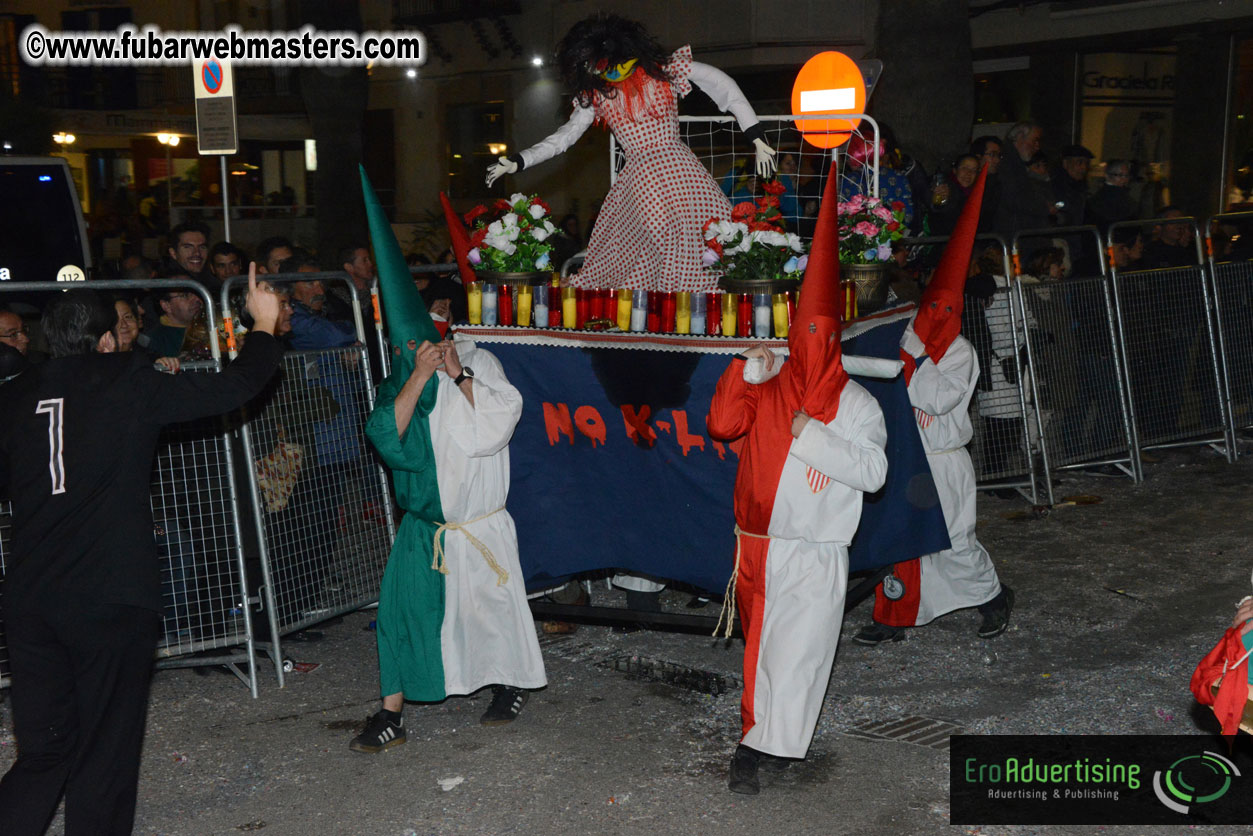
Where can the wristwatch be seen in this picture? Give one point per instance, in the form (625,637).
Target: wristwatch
(467,373)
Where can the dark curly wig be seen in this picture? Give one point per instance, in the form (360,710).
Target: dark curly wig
(609,38)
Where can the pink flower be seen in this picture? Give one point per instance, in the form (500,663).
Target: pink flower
(882,213)
(709,258)
(867,229)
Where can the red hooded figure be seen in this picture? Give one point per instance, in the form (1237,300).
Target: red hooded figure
(941,371)
(812,442)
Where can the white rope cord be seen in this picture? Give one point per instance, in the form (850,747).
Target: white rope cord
(439,564)
(728,600)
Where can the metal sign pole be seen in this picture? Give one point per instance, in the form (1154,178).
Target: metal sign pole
(226,202)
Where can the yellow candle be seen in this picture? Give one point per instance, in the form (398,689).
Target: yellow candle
(523,313)
(474,300)
(780,314)
(730,313)
(683,312)
(624,309)
(569,308)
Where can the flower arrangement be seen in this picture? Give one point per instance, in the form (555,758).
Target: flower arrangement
(752,244)
(510,236)
(868,226)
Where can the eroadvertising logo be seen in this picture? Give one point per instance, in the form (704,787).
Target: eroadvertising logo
(1096,779)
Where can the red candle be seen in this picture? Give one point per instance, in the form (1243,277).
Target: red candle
(744,326)
(713,313)
(654,312)
(668,306)
(583,303)
(504,305)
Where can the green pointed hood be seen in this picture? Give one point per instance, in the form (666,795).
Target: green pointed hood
(404,312)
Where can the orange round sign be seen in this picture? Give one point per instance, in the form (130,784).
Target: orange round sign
(830,82)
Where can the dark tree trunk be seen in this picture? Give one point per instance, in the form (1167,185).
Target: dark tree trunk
(926,93)
(335,99)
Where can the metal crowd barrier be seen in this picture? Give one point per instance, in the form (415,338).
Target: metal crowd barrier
(1232,283)
(1083,408)
(196,526)
(1008,448)
(1170,351)
(320,498)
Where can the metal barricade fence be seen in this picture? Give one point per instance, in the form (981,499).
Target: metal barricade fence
(1170,351)
(195,525)
(1007,429)
(1079,382)
(320,498)
(1232,283)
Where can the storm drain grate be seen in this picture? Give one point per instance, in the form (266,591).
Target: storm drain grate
(671,673)
(921,731)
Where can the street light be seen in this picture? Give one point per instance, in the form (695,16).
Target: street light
(63,138)
(169,141)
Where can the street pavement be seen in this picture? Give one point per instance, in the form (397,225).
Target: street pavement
(1116,602)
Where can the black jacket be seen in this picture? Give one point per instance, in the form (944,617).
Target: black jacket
(77,437)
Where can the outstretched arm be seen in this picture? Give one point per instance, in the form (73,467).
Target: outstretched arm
(727,95)
(556,143)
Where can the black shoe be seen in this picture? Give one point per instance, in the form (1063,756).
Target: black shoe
(876,633)
(743,776)
(996,619)
(380,733)
(506,705)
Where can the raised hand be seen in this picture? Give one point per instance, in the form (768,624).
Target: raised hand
(497,170)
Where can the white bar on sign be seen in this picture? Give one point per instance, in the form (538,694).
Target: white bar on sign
(840,98)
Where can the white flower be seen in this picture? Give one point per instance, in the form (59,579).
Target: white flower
(771,238)
(535,211)
(539,233)
(517,197)
(510,219)
(795,243)
(549,228)
(495,228)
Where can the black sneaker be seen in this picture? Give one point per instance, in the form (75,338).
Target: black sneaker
(876,633)
(996,619)
(380,733)
(743,776)
(506,705)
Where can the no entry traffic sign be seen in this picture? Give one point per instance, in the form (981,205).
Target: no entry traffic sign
(830,82)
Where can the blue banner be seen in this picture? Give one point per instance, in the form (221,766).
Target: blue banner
(611,465)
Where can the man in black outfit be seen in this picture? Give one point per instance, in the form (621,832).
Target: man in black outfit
(82,597)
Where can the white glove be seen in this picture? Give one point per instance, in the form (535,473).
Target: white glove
(765,158)
(505,166)
(755,370)
(913,346)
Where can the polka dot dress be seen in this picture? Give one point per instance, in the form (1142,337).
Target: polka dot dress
(649,234)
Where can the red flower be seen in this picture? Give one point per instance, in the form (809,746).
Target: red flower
(474,213)
(768,202)
(713,244)
(762,226)
(892,227)
(743,211)
(536,201)
(476,240)
(503,205)
(897,206)
(773,187)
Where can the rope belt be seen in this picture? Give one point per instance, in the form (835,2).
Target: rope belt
(439,564)
(728,600)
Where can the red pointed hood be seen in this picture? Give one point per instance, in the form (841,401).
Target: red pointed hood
(460,240)
(939,317)
(814,375)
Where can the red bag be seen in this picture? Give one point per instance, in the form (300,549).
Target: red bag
(1219,666)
